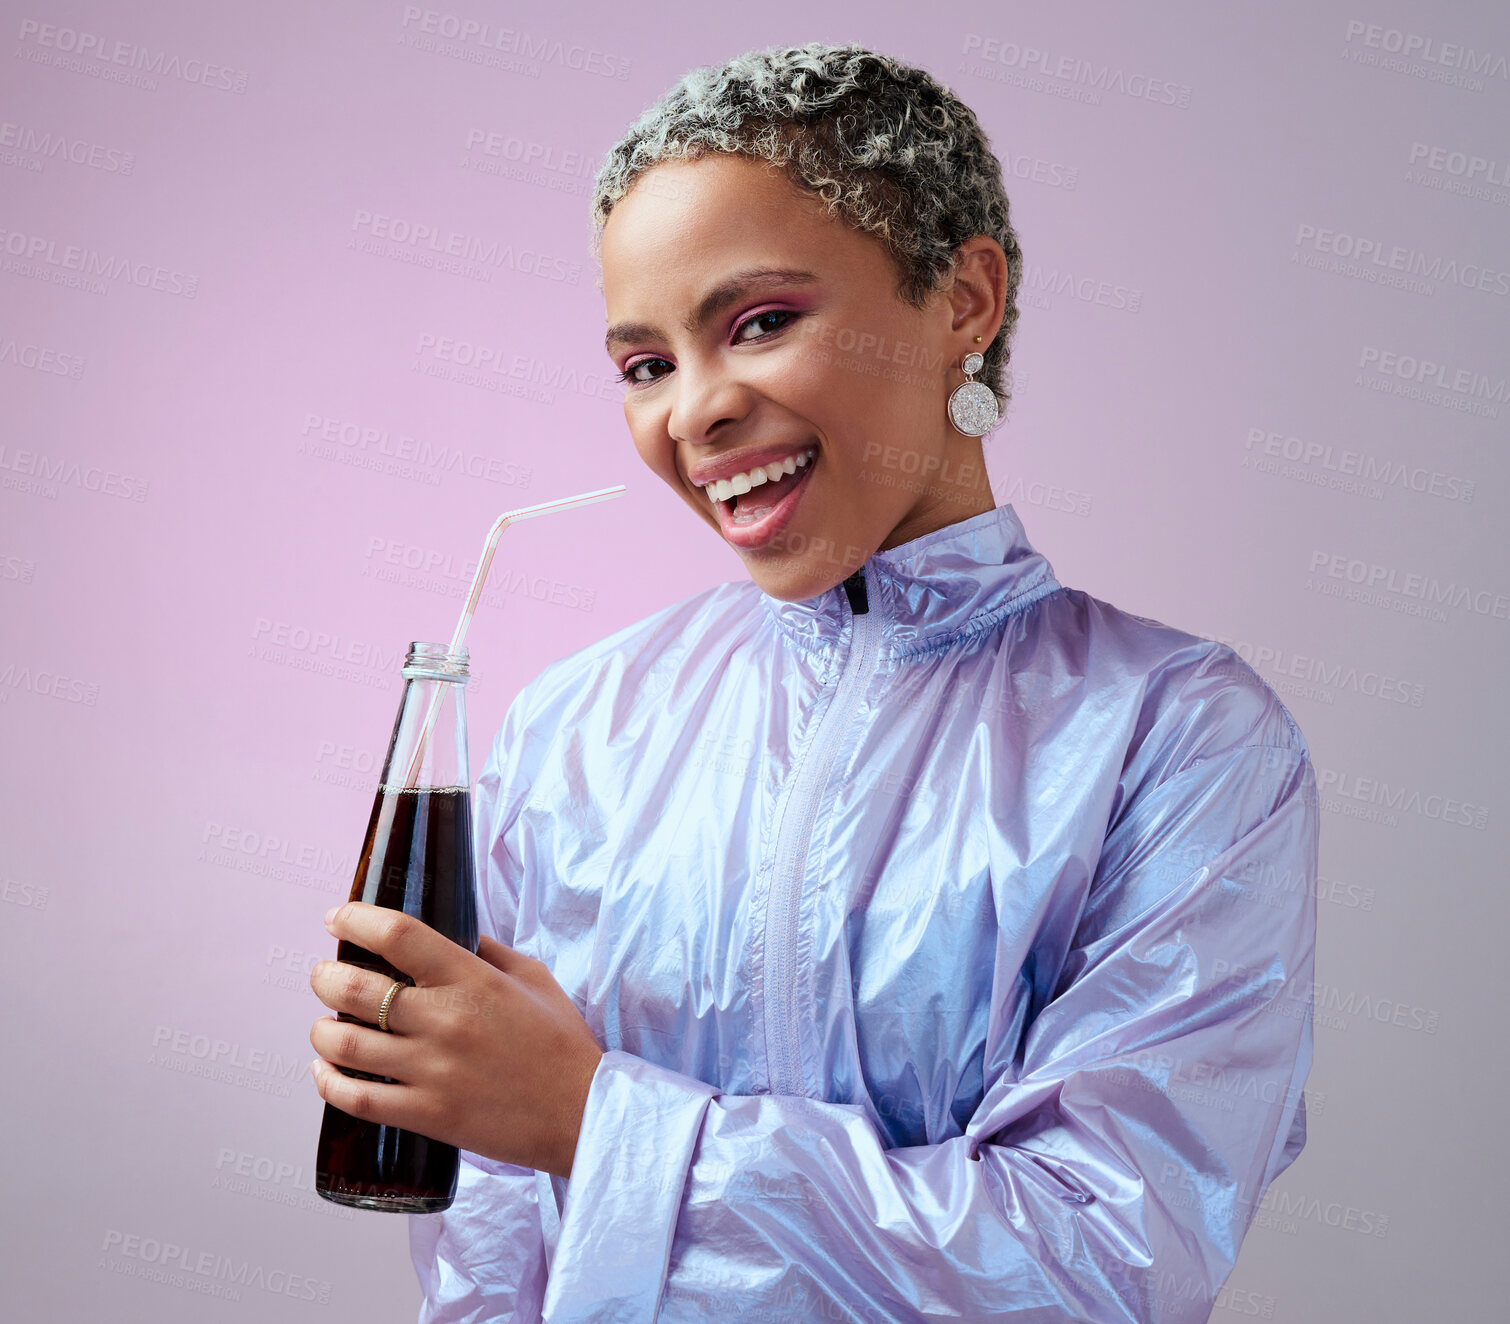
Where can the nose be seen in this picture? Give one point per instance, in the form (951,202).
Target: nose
(707,401)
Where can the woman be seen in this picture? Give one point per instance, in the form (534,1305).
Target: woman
(897,934)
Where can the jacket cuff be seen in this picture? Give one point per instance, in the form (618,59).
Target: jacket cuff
(639,1130)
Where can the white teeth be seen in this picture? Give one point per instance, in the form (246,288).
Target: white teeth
(723,488)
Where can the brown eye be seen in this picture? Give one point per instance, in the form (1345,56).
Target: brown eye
(782,313)
(628,375)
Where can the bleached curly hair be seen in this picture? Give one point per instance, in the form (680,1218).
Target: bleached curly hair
(888,148)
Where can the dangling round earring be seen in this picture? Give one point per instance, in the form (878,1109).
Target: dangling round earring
(972,405)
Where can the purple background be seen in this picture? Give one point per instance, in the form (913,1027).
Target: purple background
(208,577)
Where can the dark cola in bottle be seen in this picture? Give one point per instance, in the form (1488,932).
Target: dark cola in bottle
(417,857)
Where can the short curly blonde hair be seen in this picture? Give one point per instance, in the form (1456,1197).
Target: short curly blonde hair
(887,147)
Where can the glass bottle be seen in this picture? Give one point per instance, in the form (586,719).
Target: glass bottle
(417,857)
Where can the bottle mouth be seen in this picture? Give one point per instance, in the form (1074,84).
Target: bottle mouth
(432,661)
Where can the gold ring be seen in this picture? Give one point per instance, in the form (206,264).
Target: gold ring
(388,1002)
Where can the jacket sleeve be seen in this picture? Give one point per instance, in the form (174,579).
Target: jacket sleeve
(483,1259)
(1112,1167)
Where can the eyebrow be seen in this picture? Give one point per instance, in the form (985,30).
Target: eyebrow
(716,299)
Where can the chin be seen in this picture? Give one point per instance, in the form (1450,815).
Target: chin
(791,581)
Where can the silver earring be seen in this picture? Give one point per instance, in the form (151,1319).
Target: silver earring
(972,405)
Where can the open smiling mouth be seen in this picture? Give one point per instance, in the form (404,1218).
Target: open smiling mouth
(754,516)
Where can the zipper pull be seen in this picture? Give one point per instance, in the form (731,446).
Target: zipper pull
(854,589)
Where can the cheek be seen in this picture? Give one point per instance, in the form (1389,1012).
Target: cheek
(656,452)
(855,390)
(810,375)
(649,443)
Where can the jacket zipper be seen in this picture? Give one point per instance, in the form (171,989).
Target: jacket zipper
(794,836)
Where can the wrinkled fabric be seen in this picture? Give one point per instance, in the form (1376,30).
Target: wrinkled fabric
(952,958)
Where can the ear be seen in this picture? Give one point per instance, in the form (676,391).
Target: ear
(978,295)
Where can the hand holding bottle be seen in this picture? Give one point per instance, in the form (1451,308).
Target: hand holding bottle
(482,1049)
(488,1052)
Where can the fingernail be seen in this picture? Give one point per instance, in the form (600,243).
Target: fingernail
(314,1068)
(330,915)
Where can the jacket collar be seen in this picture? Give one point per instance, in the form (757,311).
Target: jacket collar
(926,593)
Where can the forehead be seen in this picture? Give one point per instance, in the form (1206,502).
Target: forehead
(681,215)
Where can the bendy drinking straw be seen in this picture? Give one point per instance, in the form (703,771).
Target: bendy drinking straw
(478,580)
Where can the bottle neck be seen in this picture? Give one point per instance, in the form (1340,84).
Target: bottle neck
(431,661)
(428,750)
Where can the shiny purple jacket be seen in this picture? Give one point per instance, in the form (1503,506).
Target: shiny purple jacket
(950,939)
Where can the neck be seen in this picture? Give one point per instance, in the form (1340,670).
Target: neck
(960,491)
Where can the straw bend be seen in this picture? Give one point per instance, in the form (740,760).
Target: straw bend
(484,564)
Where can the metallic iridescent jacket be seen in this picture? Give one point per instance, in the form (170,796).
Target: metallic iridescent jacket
(953,957)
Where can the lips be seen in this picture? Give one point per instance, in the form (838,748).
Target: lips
(738,473)
(755,518)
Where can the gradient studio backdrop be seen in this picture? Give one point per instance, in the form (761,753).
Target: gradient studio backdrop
(250,452)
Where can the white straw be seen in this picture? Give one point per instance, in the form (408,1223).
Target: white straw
(478,580)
